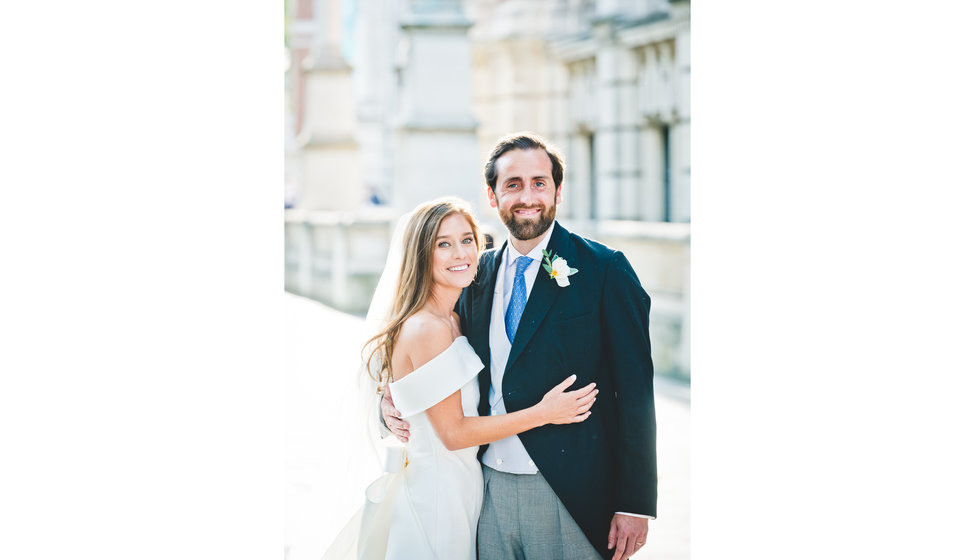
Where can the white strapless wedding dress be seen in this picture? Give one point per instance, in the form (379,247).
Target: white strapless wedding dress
(428,504)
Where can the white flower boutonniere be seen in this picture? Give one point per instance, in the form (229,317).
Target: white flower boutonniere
(557,268)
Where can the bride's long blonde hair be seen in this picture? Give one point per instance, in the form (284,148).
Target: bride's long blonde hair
(415,278)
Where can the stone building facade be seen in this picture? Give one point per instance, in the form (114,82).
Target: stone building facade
(429,87)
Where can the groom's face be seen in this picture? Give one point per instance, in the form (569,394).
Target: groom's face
(525,195)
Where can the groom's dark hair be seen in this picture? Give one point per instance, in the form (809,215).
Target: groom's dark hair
(522,141)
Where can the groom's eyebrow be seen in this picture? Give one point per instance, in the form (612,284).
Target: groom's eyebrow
(532,178)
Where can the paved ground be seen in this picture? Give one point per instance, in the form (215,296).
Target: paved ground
(329,462)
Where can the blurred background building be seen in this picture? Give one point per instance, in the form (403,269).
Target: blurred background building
(392,102)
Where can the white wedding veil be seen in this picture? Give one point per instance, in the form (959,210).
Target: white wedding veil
(384,294)
(378,315)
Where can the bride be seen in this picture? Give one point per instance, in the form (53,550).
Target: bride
(428,505)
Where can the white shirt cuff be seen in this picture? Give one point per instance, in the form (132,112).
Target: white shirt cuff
(635,515)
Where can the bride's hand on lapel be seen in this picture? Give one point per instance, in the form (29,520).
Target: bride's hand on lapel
(560,407)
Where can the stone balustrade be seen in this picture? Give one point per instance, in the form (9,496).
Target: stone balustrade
(336,257)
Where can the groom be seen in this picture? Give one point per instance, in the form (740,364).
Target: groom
(583,490)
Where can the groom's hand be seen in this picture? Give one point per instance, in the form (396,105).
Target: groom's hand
(392,419)
(628,534)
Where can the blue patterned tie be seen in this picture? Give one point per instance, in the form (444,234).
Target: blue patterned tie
(518,298)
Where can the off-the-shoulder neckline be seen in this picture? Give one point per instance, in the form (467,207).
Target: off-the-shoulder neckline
(434,358)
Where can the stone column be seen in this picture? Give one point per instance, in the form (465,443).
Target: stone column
(302,29)
(331,168)
(607,185)
(680,148)
(376,88)
(627,130)
(436,146)
(617,142)
(652,148)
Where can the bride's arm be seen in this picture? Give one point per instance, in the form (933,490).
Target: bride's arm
(458,432)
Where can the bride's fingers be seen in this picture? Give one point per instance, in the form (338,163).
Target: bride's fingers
(560,388)
(582,391)
(402,434)
(585,407)
(582,417)
(588,397)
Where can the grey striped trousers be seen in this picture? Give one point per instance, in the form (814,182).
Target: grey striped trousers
(523,519)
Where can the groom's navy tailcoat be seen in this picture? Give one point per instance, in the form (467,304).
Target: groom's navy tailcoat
(598,328)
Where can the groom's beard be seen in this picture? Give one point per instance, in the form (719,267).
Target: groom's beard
(528,228)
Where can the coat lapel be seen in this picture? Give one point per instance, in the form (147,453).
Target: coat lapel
(543,296)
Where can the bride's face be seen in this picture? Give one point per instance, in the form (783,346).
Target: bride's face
(455,254)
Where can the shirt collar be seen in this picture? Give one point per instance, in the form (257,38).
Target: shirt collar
(536,253)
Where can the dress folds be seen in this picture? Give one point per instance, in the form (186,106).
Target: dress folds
(428,503)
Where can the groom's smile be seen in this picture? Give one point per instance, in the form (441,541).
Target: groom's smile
(528,212)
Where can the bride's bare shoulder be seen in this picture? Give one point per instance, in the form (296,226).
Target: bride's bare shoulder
(424,327)
(423,336)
